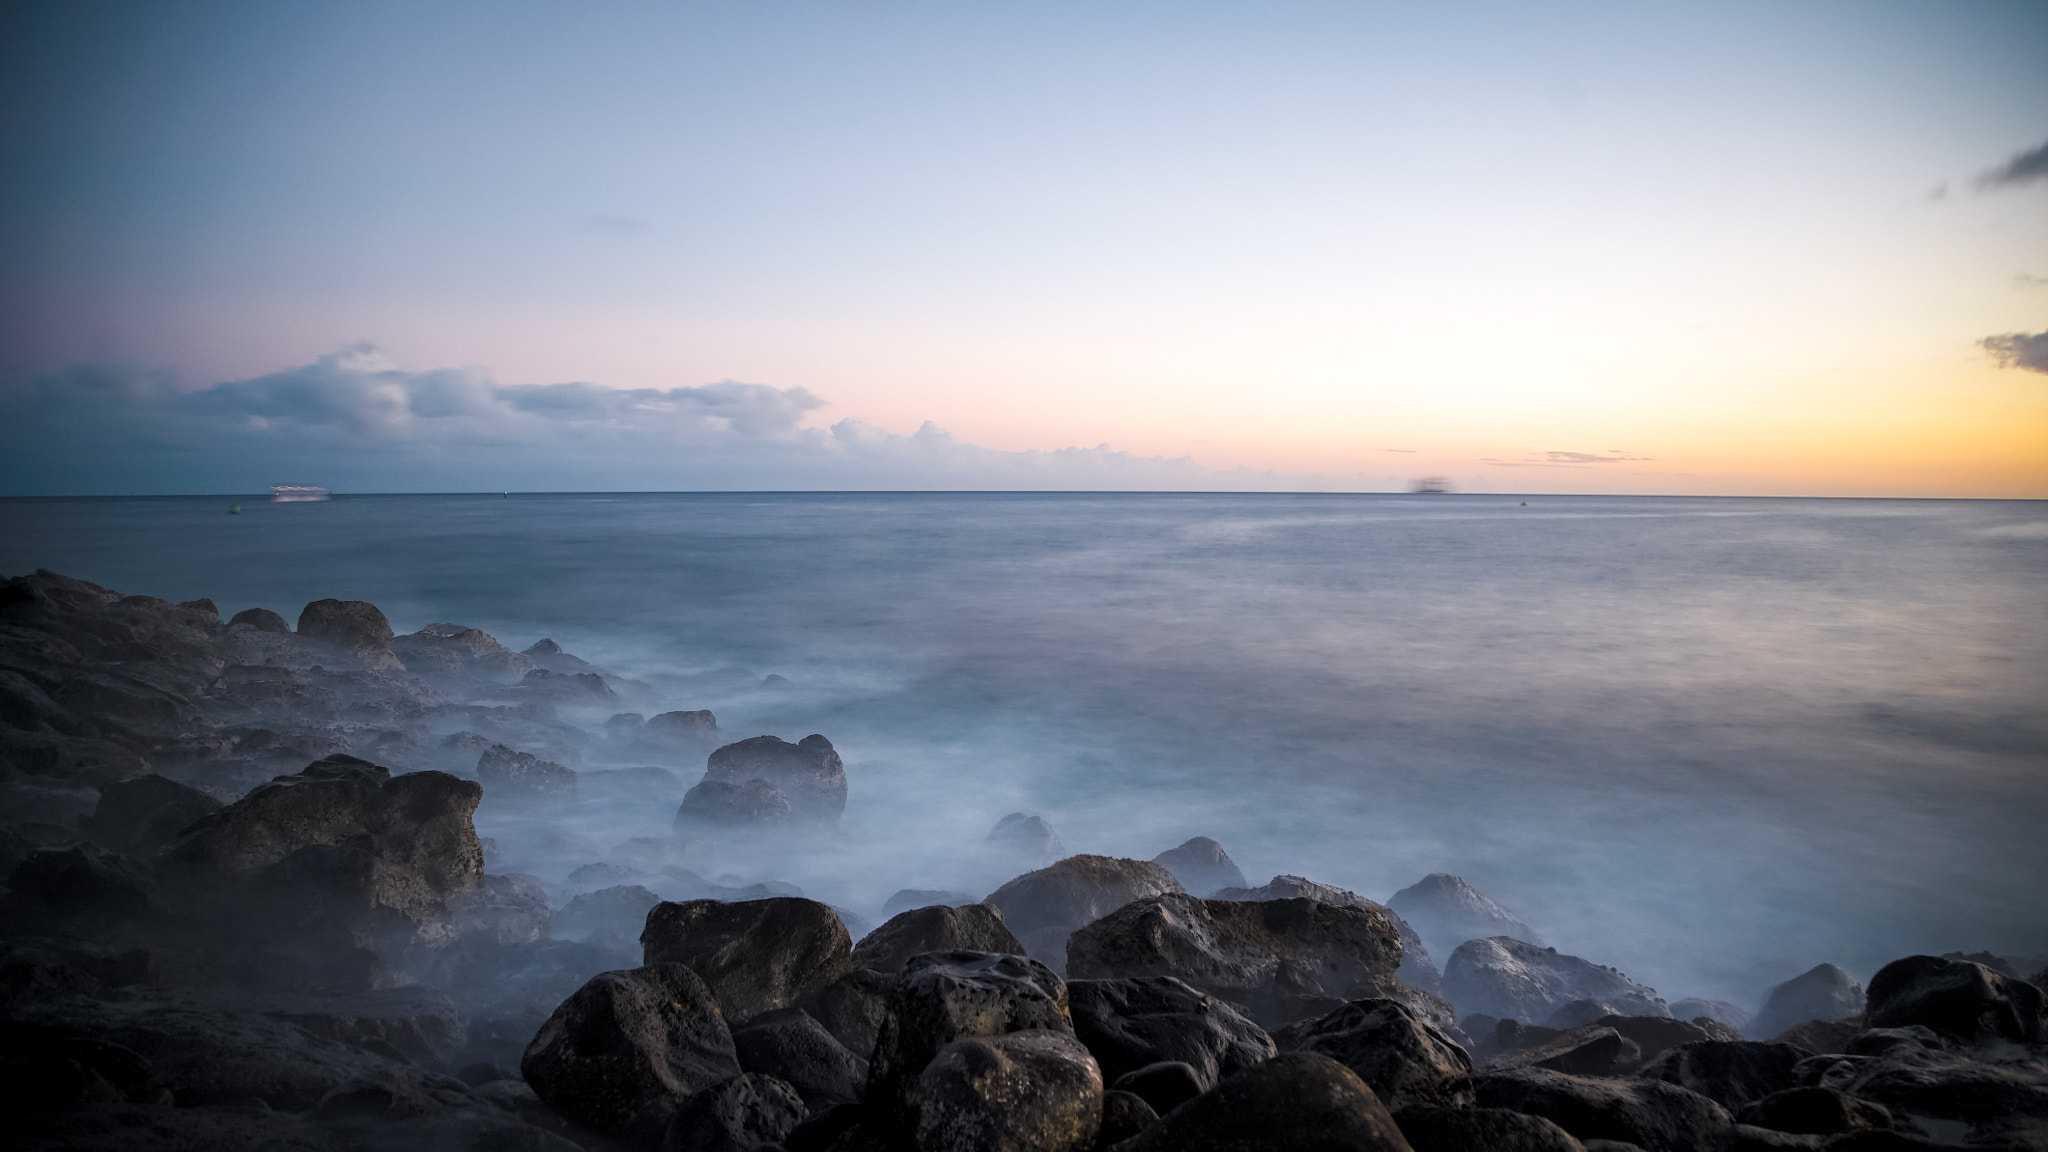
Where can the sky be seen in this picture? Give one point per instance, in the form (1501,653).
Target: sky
(1772,249)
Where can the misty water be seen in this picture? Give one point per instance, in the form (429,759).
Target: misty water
(1711,742)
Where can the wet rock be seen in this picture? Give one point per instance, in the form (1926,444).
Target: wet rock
(794,1048)
(456,655)
(507,909)
(908,898)
(1513,979)
(1134,1022)
(808,773)
(942,997)
(1043,908)
(1295,1102)
(1823,992)
(1447,912)
(1202,866)
(1968,1001)
(748,1112)
(1588,1051)
(262,620)
(1435,1129)
(1022,841)
(714,802)
(1656,1116)
(1404,1060)
(756,955)
(1278,960)
(1124,1115)
(970,928)
(1823,1036)
(628,1048)
(1719,1011)
(524,776)
(612,917)
(1165,1085)
(1029,1090)
(348,624)
(1951,1096)
(1816,1112)
(1655,1035)
(1417,968)
(852,1008)
(823,1130)
(139,817)
(1733,1074)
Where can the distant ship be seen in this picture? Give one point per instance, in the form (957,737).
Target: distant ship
(287,493)
(1431,486)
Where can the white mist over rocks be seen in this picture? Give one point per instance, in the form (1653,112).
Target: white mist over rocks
(1711,743)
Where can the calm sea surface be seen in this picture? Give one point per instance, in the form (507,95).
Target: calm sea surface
(1711,742)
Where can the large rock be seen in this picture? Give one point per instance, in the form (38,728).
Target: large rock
(1655,1035)
(1417,968)
(453,654)
(808,773)
(1133,1022)
(628,1048)
(1823,992)
(942,997)
(969,928)
(743,1114)
(1434,1129)
(138,817)
(262,620)
(756,955)
(508,909)
(1968,1001)
(1202,866)
(794,1048)
(1719,1011)
(612,917)
(853,1007)
(1816,1111)
(1044,907)
(1651,1114)
(906,899)
(715,803)
(524,776)
(1035,1090)
(1295,1102)
(1447,912)
(1022,841)
(1587,1051)
(1512,979)
(354,626)
(1279,960)
(1733,1074)
(1403,1059)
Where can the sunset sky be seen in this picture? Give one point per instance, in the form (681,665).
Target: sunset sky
(1592,247)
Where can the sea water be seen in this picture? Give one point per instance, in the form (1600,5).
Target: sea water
(1711,742)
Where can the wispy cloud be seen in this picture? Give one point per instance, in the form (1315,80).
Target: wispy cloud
(2028,350)
(1568,459)
(2024,168)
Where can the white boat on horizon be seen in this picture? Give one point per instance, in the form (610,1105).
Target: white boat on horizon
(290,493)
(1431,486)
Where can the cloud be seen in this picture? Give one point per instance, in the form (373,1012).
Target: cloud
(1567,459)
(2019,350)
(2024,168)
(354,421)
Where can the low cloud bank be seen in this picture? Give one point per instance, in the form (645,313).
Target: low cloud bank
(2028,350)
(354,421)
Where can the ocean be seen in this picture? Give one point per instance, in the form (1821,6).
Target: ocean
(1711,742)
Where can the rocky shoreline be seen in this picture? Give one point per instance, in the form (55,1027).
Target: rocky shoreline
(248,905)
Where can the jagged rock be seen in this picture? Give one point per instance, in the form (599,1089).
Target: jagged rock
(613,917)
(1202,866)
(942,997)
(1279,960)
(1435,1129)
(545,653)
(354,626)
(1513,979)
(1165,1085)
(524,776)
(907,899)
(794,1048)
(1823,1036)
(1719,1011)
(1652,1114)
(714,802)
(808,773)
(1587,1051)
(1403,1059)
(1447,912)
(507,909)
(1952,1096)
(969,928)
(1732,1073)
(1134,1022)
(1816,1112)
(1295,1102)
(852,1009)
(1023,1091)
(452,653)
(138,817)
(1021,841)
(628,1048)
(1043,908)
(262,620)
(748,1112)
(756,955)
(687,728)
(1823,992)
(1417,968)
(1655,1035)
(1124,1115)
(1958,998)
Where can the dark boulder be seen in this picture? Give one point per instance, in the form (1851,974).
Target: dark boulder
(1417,969)
(1295,1102)
(1279,960)
(628,1048)
(1132,1022)
(714,803)
(968,928)
(1435,1129)
(1202,866)
(808,773)
(1124,1115)
(140,816)
(1035,1090)
(907,899)
(942,997)
(1816,1112)
(748,1113)
(756,955)
(1588,1051)
(1447,912)
(524,776)
(261,619)
(792,1047)
(1733,1074)
(852,1008)
(1513,979)
(1651,1114)
(1656,1035)
(1403,1059)
(1968,1001)
(1823,1036)
(1044,907)
(678,727)
(347,623)
(1164,1086)
(1823,992)
(453,655)
(612,917)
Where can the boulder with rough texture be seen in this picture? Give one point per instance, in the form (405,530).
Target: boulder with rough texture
(352,625)
(1654,1115)
(756,955)
(1655,1035)
(1934,1089)
(1279,960)
(628,1048)
(942,997)
(1515,980)
(1202,866)
(1816,1111)
(524,776)
(714,803)
(748,1112)
(1133,1022)
(794,1048)
(1447,912)
(1588,1051)
(808,773)
(1435,1129)
(1043,908)
(1295,1102)
(1823,992)
(1968,1001)
(1022,841)
(1823,1036)
(262,620)
(1124,1115)
(452,654)
(138,817)
(853,1007)
(1165,1085)
(1417,968)
(1733,1073)
(1035,1090)
(1403,1059)
(969,928)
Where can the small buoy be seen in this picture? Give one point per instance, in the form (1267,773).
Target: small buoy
(234,509)
(1525,503)
(508,495)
